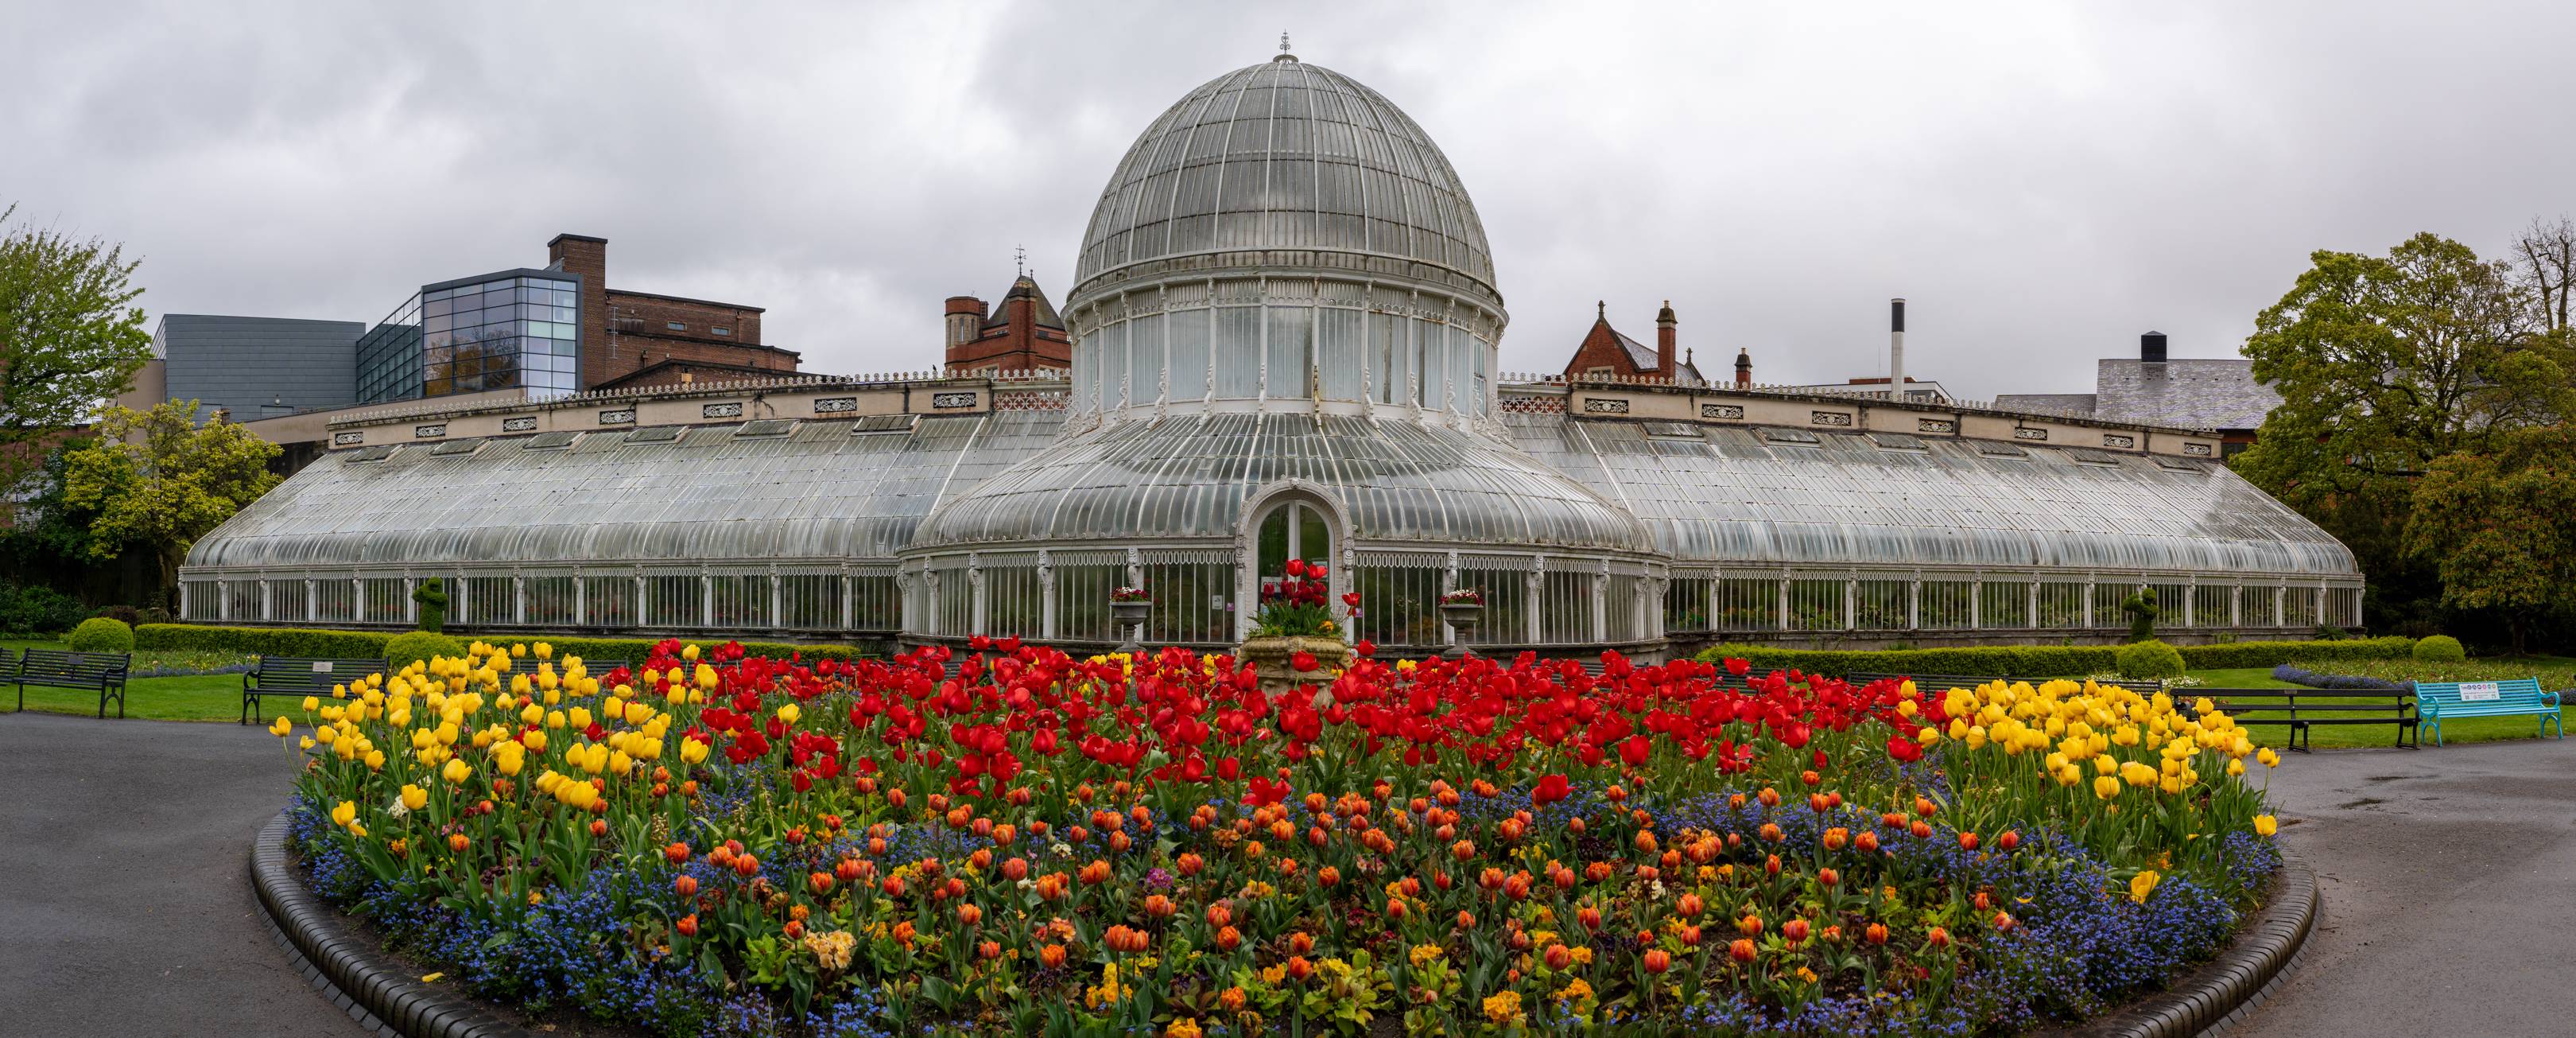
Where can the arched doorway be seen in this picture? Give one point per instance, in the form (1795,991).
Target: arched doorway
(1288,522)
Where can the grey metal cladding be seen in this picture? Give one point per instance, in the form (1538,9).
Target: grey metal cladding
(244,363)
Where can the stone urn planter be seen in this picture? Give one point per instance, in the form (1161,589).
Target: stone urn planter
(1270,657)
(1130,617)
(1463,618)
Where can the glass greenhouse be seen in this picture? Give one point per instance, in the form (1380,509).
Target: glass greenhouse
(1285,323)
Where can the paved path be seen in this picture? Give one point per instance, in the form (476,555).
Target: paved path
(125,855)
(2449,877)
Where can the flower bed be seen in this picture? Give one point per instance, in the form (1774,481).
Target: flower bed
(1021,842)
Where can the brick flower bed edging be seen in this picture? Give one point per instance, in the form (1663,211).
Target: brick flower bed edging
(358,977)
(2218,995)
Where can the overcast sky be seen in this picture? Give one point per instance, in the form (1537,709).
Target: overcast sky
(2043,181)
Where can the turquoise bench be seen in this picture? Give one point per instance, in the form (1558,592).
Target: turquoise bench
(2439,701)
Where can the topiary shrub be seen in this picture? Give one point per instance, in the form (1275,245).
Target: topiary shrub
(2148,659)
(2142,610)
(403,650)
(101,634)
(2440,648)
(431,595)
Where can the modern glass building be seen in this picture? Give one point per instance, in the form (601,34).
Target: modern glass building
(1284,321)
(513,330)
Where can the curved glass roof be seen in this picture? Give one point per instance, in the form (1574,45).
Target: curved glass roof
(822,490)
(1729,495)
(1284,155)
(1190,477)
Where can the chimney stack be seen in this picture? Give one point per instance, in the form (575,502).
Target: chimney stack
(2151,347)
(1666,334)
(1896,348)
(1743,369)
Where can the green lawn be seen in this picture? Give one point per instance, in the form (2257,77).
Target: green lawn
(204,697)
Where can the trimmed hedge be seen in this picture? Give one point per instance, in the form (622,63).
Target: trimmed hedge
(409,647)
(2151,658)
(2048,661)
(263,641)
(316,642)
(101,634)
(2440,648)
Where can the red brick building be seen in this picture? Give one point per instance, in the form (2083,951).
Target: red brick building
(1604,351)
(1021,334)
(624,333)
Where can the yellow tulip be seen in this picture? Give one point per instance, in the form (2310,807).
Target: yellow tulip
(2139,886)
(2269,758)
(2266,825)
(689,653)
(2106,787)
(344,814)
(456,772)
(544,651)
(414,797)
(281,727)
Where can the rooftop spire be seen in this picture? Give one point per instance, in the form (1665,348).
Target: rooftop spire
(1601,309)
(1283,49)
(1020,260)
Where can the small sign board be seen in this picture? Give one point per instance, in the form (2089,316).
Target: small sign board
(2474,691)
(321,666)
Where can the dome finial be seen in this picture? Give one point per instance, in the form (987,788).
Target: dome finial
(1283,49)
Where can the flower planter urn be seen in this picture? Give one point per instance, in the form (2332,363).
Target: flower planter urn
(1463,618)
(1130,618)
(1273,659)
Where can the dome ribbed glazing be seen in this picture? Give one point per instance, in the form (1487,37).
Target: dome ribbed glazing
(1285,155)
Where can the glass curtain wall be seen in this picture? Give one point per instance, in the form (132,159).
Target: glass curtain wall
(503,333)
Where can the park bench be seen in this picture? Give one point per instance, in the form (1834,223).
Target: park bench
(2440,701)
(104,671)
(299,676)
(1932,683)
(2300,709)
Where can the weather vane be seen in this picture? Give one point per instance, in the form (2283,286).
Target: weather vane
(1283,43)
(1020,260)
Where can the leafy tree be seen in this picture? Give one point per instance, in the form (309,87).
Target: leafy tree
(2500,528)
(49,533)
(2385,364)
(158,480)
(71,337)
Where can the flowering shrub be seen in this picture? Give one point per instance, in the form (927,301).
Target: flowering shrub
(1465,596)
(1020,842)
(1130,594)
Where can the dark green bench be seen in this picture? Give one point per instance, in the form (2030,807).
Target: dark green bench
(296,677)
(2440,701)
(103,671)
(2301,709)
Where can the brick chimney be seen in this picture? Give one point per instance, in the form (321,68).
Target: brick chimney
(587,256)
(965,322)
(1743,369)
(1666,335)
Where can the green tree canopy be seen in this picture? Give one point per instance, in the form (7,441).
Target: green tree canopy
(71,337)
(2385,364)
(158,480)
(2500,527)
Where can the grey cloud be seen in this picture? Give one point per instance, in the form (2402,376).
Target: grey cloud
(2043,181)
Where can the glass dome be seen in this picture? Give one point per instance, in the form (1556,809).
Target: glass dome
(1285,234)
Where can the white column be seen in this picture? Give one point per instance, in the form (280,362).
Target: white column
(1046,595)
(1914,603)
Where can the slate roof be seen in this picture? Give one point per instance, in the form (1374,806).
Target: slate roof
(2060,403)
(2200,394)
(1643,356)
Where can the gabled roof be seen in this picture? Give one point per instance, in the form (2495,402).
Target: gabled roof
(1025,288)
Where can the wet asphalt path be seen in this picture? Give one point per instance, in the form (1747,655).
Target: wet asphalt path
(2449,876)
(125,899)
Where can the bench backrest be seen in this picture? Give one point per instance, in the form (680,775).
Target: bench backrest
(2512,691)
(314,670)
(56,663)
